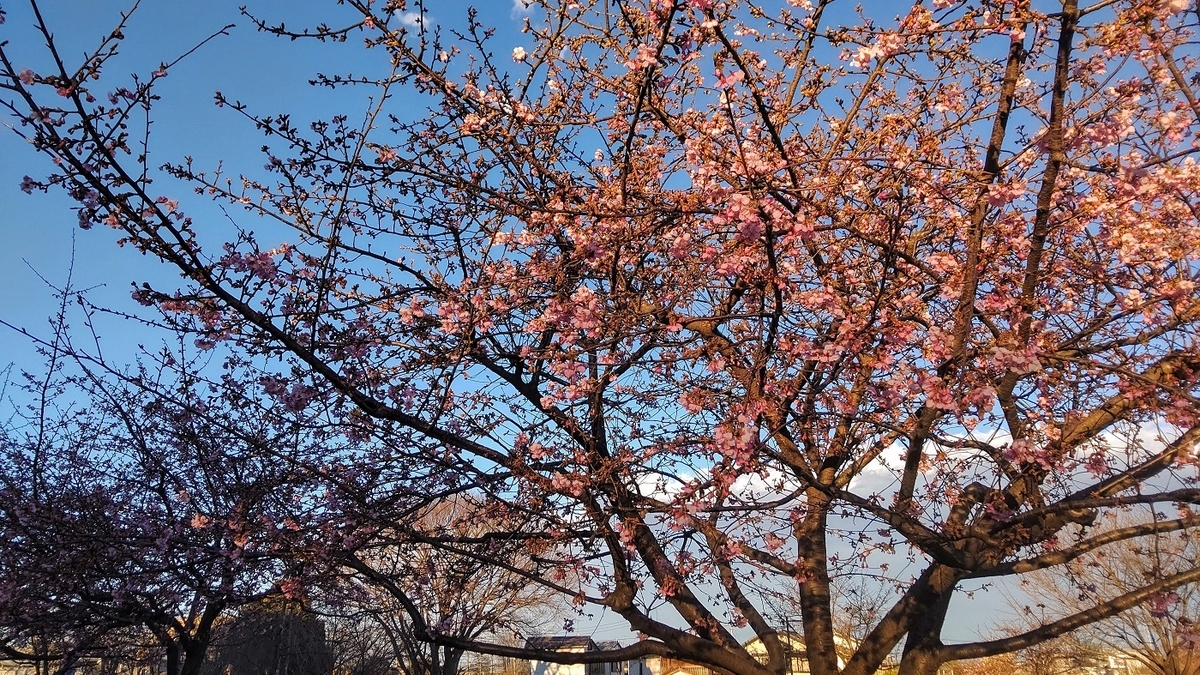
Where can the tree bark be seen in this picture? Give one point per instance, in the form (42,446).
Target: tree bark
(921,662)
(450,660)
(814,589)
(924,652)
(172,657)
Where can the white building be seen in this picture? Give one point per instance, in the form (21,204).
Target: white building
(581,644)
(661,665)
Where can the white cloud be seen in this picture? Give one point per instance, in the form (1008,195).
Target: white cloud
(413,19)
(754,486)
(521,7)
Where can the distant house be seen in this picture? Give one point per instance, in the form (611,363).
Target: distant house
(793,645)
(665,665)
(85,666)
(662,665)
(17,668)
(797,653)
(580,644)
(1107,663)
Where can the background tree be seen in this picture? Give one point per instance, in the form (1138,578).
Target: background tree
(358,645)
(858,602)
(675,276)
(137,507)
(453,567)
(1159,634)
(1000,664)
(1068,655)
(275,636)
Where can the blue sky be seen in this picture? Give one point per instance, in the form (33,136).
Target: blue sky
(269,75)
(38,229)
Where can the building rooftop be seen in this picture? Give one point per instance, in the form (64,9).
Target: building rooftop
(561,642)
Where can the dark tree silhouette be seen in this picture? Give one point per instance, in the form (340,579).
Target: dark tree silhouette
(275,636)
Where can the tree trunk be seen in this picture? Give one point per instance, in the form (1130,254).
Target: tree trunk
(879,643)
(195,646)
(921,662)
(814,590)
(450,660)
(172,657)
(923,650)
(193,657)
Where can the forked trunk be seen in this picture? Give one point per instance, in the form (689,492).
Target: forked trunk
(921,661)
(450,660)
(923,653)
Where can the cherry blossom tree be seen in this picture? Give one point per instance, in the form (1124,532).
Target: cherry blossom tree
(137,508)
(726,293)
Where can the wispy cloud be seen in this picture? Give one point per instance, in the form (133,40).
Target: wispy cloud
(521,7)
(415,19)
